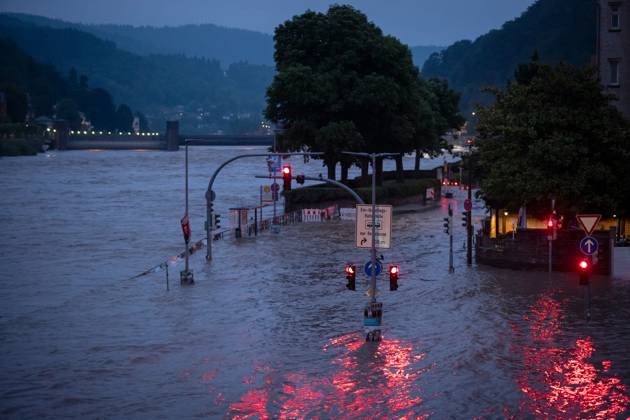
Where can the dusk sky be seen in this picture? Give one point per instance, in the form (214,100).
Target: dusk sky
(415,22)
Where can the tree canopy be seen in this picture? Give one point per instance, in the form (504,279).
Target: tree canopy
(553,133)
(343,85)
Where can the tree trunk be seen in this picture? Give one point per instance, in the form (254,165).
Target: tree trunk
(365,172)
(345,165)
(331,169)
(379,171)
(416,166)
(400,174)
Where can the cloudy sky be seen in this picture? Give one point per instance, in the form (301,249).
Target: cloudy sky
(415,22)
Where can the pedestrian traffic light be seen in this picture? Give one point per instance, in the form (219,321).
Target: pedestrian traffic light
(584,267)
(465,218)
(447,225)
(351,274)
(393,277)
(217,221)
(286,176)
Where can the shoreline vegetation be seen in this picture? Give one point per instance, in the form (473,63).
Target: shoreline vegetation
(21,146)
(390,192)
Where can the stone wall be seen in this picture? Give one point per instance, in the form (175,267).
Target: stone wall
(529,250)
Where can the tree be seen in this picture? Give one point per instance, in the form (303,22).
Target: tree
(72,76)
(553,133)
(144,124)
(339,75)
(124,118)
(17,103)
(68,110)
(99,108)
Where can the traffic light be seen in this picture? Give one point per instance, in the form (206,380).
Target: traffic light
(393,277)
(300,179)
(584,267)
(465,218)
(552,228)
(217,221)
(447,224)
(286,176)
(351,274)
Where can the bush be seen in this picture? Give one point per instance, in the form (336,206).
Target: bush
(20,147)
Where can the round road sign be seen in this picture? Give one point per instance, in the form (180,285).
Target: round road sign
(275,187)
(589,245)
(368,268)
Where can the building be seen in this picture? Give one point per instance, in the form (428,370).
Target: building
(613,50)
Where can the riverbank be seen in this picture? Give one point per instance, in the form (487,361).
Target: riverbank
(21,147)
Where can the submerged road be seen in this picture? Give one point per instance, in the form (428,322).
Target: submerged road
(269,330)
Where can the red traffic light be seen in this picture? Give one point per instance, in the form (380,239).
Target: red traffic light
(583,264)
(286,170)
(350,269)
(550,223)
(393,269)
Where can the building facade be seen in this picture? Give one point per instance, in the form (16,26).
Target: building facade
(613,50)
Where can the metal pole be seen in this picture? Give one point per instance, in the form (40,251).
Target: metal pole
(186,212)
(469,227)
(451,269)
(588,300)
(373,282)
(210,199)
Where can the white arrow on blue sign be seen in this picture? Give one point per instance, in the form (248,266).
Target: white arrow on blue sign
(589,245)
(368,268)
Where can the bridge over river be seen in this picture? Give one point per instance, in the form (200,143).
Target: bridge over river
(171,139)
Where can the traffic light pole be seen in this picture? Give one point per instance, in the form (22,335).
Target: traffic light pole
(186,277)
(451,269)
(469,228)
(210,195)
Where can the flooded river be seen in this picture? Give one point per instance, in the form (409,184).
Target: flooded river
(269,330)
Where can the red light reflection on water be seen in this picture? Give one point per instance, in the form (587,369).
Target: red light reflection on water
(560,380)
(370,380)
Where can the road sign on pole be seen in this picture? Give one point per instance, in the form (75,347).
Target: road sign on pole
(467,205)
(368,268)
(589,245)
(382,225)
(588,222)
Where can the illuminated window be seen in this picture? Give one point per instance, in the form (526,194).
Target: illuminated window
(614,71)
(615,24)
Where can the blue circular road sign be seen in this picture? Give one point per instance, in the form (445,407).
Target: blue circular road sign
(589,245)
(368,268)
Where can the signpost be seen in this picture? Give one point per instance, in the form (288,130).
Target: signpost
(588,222)
(589,245)
(368,268)
(382,226)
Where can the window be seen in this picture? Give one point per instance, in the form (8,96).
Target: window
(615,24)
(614,72)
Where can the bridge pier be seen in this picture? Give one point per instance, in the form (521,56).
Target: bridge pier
(172,135)
(62,132)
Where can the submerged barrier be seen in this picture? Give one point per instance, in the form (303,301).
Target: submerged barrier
(300,216)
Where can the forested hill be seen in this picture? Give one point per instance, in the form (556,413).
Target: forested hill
(559,30)
(165,86)
(227,45)
(422,52)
